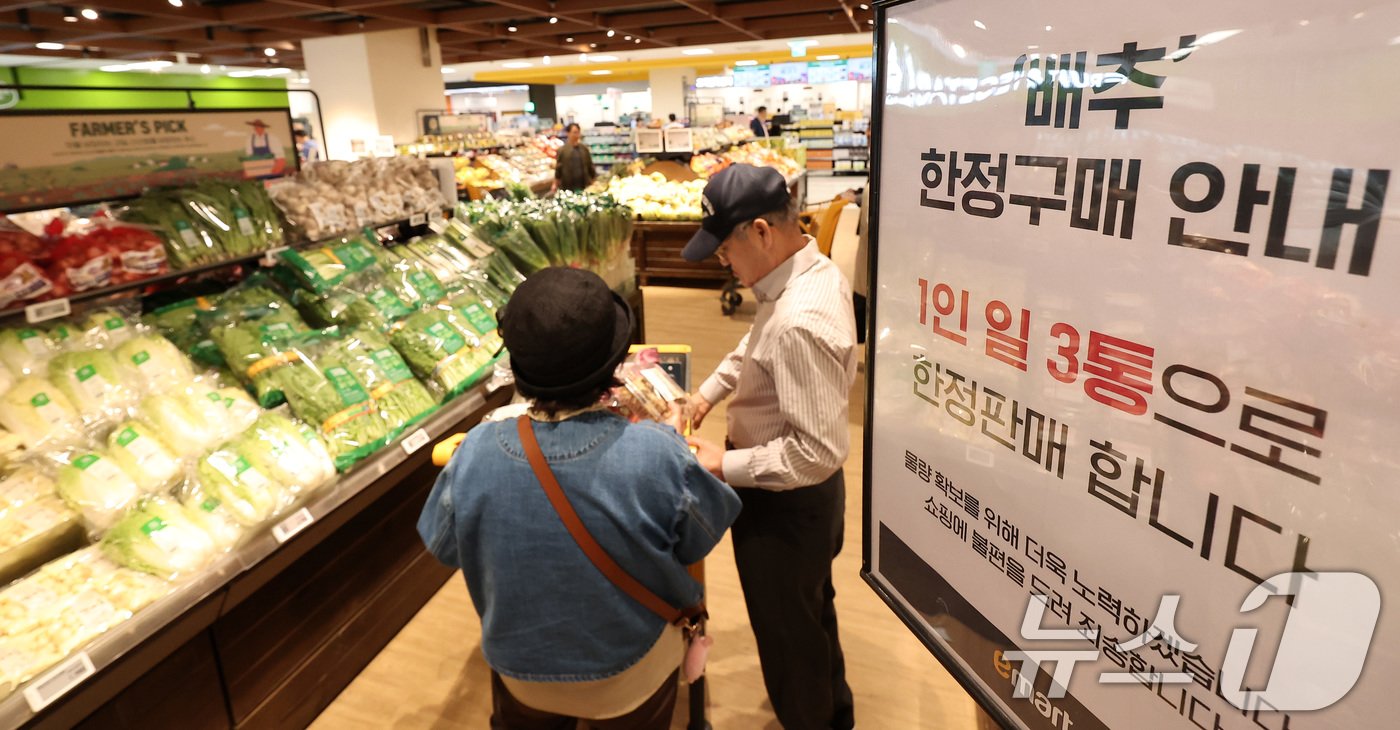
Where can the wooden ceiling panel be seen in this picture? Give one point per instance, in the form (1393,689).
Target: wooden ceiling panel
(479,31)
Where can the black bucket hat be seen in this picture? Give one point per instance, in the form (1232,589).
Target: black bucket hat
(566,332)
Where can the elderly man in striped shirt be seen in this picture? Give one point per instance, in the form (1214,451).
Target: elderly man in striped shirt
(789,378)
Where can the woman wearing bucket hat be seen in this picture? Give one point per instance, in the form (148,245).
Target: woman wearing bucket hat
(562,639)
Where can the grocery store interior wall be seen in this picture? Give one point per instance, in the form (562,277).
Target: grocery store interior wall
(668,87)
(403,83)
(590,109)
(276,95)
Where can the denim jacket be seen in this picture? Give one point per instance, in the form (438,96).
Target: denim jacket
(547,614)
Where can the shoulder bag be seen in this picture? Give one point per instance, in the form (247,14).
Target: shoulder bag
(691,619)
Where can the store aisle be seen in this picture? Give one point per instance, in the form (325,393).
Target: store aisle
(433,676)
(821,188)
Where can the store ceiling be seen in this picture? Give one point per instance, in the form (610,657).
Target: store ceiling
(241,32)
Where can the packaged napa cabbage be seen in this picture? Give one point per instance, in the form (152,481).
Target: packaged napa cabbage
(206,401)
(147,460)
(66,337)
(94,486)
(40,415)
(106,328)
(184,432)
(156,362)
(25,351)
(210,514)
(23,485)
(160,537)
(249,495)
(95,383)
(297,459)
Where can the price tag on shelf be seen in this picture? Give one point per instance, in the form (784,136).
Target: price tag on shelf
(45,311)
(58,681)
(415,441)
(298,521)
(270,256)
(418,219)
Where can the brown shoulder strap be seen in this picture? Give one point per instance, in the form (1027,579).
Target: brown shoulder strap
(595,552)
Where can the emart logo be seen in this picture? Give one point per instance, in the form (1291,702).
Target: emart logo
(1022,688)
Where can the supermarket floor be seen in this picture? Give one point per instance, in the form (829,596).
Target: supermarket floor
(432,675)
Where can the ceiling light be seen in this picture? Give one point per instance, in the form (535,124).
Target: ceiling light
(517,64)
(583,58)
(448,70)
(637,40)
(263,72)
(140,66)
(90,14)
(553,20)
(979,24)
(746,63)
(600,72)
(611,32)
(1048,27)
(205,69)
(177,3)
(70,15)
(603,58)
(1302,22)
(872,21)
(48,46)
(803,42)
(511,28)
(569,39)
(959,51)
(592,45)
(696,52)
(863,6)
(829,57)
(627,38)
(269,52)
(546,60)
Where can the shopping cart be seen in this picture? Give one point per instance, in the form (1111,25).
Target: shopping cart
(442,453)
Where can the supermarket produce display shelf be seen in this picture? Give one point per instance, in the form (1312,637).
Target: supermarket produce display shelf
(138,287)
(229,647)
(656,246)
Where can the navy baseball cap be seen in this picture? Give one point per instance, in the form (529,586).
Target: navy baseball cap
(738,194)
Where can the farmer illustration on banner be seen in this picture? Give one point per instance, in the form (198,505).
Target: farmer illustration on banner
(264,155)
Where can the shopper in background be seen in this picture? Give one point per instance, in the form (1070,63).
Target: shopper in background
(672,123)
(562,640)
(790,377)
(759,124)
(308,149)
(573,167)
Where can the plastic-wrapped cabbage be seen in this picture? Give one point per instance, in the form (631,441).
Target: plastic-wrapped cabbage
(65,338)
(157,363)
(184,432)
(94,486)
(25,351)
(159,537)
(150,463)
(106,328)
(206,403)
(23,485)
(250,497)
(94,382)
(41,416)
(210,514)
(278,448)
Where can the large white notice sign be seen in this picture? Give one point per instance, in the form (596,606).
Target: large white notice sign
(1134,425)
